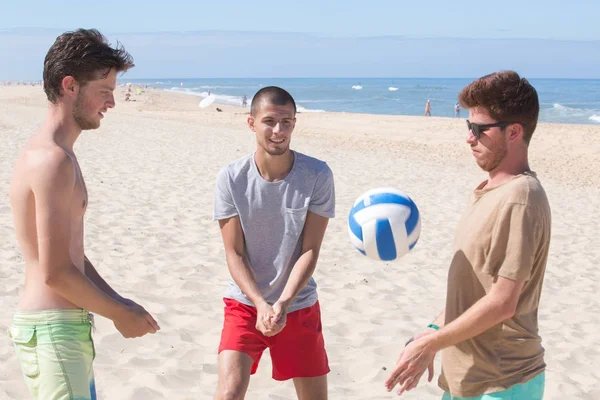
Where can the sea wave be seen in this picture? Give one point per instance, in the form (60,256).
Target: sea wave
(219,98)
(306,110)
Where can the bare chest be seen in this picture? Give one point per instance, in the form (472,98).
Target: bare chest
(79,200)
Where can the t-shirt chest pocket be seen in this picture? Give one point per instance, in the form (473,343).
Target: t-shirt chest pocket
(295,217)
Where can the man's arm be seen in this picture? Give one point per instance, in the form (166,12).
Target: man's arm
(94,276)
(517,235)
(510,261)
(312,237)
(439,322)
(497,306)
(321,209)
(237,263)
(441,319)
(53,189)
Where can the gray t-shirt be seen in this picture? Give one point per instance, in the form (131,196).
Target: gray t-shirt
(272,215)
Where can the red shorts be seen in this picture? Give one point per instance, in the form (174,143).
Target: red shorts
(298,351)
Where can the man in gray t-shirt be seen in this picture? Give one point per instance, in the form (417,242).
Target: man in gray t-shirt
(273,207)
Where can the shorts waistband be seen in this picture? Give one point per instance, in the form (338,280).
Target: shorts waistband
(45,317)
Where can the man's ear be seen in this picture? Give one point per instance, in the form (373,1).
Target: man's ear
(251,123)
(516,132)
(69,86)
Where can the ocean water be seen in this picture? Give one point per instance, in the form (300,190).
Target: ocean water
(561,100)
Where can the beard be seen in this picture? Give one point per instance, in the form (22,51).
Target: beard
(493,158)
(81,116)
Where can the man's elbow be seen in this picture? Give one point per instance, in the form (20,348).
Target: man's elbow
(312,253)
(54,278)
(507,309)
(234,257)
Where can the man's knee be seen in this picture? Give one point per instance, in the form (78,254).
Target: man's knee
(231,391)
(232,386)
(234,375)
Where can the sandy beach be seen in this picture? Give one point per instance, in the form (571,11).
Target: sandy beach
(150,172)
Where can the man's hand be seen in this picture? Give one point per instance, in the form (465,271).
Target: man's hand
(136,321)
(266,318)
(426,332)
(412,363)
(279,318)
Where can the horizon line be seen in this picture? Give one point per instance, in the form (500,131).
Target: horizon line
(318,34)
(353,77)
(319,77)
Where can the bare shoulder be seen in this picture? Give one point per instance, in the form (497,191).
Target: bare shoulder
(48,167)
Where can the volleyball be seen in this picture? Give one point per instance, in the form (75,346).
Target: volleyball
(384,224)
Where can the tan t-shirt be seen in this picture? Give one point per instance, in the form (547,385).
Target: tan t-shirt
(505,232)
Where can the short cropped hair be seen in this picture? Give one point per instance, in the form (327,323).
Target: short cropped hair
(272,95)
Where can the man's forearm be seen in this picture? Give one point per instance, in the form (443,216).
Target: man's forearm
(299,277)
(94,276)
(74,286)
(242,275)
(483,315)
(441,319)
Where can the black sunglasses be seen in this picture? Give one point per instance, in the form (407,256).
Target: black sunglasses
(478,129)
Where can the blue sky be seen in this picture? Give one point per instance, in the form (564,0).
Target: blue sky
(546,19)
(221,38)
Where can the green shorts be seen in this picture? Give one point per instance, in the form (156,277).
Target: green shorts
(533,389)
(56,352)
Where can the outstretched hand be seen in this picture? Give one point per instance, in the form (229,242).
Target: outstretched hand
(138,322)
(412,363)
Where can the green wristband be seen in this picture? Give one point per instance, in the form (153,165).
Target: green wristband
(433,326)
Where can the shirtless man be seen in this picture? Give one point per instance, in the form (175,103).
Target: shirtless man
(51,329)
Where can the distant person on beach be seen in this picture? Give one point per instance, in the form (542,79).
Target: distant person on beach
(51,328)
(488,332)
(428,108)
(244,102)
(457,110)
(273,208)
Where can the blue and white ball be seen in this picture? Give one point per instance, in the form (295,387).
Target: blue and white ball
(384,224)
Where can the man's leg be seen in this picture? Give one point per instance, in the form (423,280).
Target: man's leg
(240,350)
(311,388)
(234,375)
(299,353)
(66,355)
